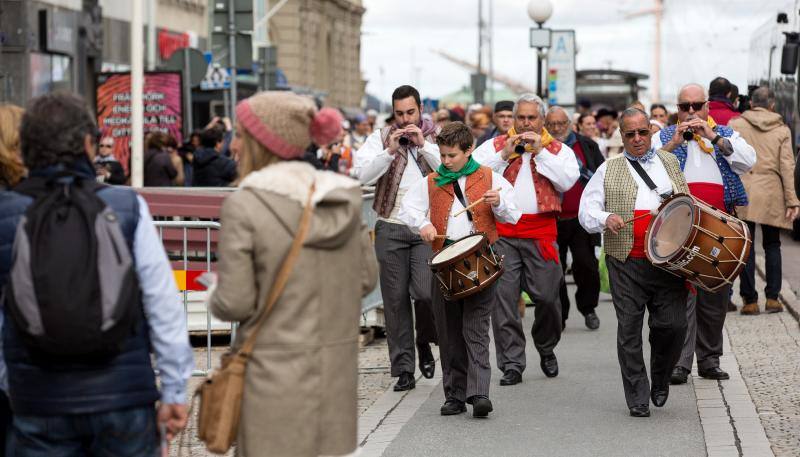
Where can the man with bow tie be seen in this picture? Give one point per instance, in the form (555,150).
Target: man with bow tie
(712,157)
(540,168)
(619,200)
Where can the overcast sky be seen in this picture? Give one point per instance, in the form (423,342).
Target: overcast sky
(701,39)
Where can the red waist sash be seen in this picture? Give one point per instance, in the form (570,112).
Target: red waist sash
(540,227)
(639,229)
(713,194)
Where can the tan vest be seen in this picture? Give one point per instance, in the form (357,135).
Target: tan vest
(441,203)
(620,192)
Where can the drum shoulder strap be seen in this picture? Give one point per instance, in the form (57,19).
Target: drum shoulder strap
(646,178)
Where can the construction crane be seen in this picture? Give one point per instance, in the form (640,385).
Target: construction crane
(512,84)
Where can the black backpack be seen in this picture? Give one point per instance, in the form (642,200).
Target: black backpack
(73,292)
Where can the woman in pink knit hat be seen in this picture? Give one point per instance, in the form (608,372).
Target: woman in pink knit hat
(300,395)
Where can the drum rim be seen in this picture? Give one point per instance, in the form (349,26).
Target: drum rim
(691,235)
(459,257)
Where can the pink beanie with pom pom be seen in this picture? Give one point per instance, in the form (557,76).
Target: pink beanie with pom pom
(286,123)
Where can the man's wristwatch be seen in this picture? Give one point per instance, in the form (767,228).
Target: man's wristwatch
(716,139)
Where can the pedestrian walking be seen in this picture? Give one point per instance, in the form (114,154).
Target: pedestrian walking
(428,209)
(82,381)
(539,167)
(712,160)
(300,395)
(393,159)
(616,193)
(571,236)
(770,189)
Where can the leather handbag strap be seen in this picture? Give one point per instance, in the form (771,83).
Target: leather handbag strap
(283,274)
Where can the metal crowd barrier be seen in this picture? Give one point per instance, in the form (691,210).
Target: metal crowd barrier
(191,248)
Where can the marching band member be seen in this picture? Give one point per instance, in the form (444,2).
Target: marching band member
(539,168)
(614,196)
(428,208)
(712,159)
(393,159)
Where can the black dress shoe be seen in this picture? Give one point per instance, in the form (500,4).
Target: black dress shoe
(640,411)
(511,377)
(713,373)
(659,395)
(451,407)
(405,382)
(731,307)
(426,363)
(549,365)
(679,375)
(481,405)
(592,321)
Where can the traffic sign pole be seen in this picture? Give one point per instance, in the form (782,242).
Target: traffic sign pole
(232,55)
(187,93)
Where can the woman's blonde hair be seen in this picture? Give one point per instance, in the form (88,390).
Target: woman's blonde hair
(253,156)
(11,168)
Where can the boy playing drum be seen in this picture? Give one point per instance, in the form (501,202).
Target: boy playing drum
(432,208)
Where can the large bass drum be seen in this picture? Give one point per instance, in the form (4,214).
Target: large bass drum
(692,239)
(466,267)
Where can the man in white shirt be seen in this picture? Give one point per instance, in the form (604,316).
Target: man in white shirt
(540,168)
(393,159)
(429,208)
(712,159)
(617,200)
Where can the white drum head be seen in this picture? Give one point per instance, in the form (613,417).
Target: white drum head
(456,249)
(671,227)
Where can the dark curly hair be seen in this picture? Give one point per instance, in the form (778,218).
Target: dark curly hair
(54,129)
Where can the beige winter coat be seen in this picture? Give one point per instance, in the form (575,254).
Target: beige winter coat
(770,183)
(300,395)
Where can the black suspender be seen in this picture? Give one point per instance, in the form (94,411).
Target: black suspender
(646,178)
(460,196)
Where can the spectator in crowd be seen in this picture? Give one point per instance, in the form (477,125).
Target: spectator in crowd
(503,120)
(658,112)
(720,107)
(301,382)
(638,105)
(372,118)
(770,188)
(609,129)
(11,168)
(584,106)
(12,172)
(441,118)
(457,114)
(361,130)
(194,139)
(211,168)
(107,407)
(479,123)
(571,236)
(107,167)
(672,119)
(159,168)
(177,161)
(186,153)
(587,126)
(336,156)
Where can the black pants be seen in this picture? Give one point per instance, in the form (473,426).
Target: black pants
(771,241)
(637,285)
(584,267)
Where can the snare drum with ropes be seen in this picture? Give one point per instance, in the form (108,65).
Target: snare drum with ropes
(692,239)
(466,267)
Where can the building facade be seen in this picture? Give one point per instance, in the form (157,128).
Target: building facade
(49,45)
(319,48)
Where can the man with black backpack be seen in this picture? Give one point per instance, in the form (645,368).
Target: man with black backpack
(87,292)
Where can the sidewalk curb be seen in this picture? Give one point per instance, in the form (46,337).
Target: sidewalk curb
(787,295)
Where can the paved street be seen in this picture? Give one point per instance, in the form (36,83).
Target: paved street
(582,412)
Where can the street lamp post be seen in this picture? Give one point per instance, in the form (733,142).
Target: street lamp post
(539,11)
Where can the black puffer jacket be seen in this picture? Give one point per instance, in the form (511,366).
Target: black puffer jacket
(212,169)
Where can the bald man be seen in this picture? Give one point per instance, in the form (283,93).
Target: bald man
(571,236)
(712,162)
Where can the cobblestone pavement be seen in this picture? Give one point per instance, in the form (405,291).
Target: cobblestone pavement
(373,380)
(767,348)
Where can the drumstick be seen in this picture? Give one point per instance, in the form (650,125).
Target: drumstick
(472,205)
(635,218)
(440,236)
